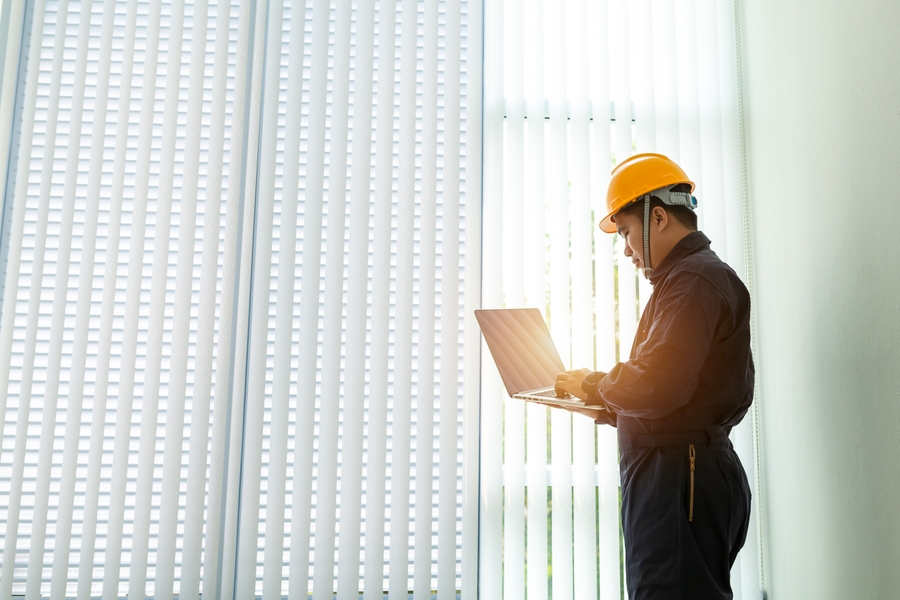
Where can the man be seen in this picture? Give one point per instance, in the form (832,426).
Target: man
(688,381)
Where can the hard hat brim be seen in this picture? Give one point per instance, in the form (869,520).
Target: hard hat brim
(607,225)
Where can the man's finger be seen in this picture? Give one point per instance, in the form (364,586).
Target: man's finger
(560,381)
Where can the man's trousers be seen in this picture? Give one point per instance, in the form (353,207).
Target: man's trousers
(678,547)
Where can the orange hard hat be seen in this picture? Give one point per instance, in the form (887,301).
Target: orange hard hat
(636,176)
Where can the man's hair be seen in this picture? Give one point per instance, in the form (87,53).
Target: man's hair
(683,214)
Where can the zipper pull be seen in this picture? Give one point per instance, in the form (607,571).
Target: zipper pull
(693,455)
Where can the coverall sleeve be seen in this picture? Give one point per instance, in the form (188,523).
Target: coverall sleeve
(664,371)
(605,417)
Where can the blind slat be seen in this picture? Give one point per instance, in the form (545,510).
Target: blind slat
(619,18)
(731,160)
(400,424)
(608,558)
(490,539)
(449,305)
(11,291)
(621,77)
(237,562)
(376,454)
(560,282)
(537,417)
(474,111)
(583,230)
(219,550)
(641,54)
(150,402)
(641,24)
(87,571)
(688,98)
(513,292)
(533,186)
(112,574)
(207,420)
(9,95)
(352,472)
(558,183)
(61,553)
(254,482)
(309,307)
(710,126)
(425,323)
(665,78)
(51,378)
(177,395)
(280,340)
(332,348)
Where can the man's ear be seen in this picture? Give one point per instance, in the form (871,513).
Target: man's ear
(660,217)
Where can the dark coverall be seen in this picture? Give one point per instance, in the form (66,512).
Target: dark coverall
(688,382)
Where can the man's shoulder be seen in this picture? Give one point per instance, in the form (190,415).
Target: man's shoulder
(705,265)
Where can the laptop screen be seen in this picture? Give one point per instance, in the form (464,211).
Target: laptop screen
(522,348)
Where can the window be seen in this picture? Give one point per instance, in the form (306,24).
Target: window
(206,190)
(571,89)
(244,242)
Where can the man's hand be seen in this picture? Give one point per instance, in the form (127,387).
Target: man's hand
(570,382)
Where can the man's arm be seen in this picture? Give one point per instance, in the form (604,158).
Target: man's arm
(665,372)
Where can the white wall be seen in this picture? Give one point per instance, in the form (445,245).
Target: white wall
(822,92)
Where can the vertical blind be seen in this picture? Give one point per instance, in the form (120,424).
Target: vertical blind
(571,89)
(352,455)
(115,340)
(242,239)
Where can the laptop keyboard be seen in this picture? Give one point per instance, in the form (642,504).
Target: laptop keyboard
(549,393)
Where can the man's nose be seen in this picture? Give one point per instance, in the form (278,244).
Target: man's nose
(628,251)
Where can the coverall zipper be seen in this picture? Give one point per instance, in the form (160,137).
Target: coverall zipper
(692,454)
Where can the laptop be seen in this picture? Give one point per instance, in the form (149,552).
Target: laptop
(525,354)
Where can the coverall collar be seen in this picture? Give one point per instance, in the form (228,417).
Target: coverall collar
(692,242)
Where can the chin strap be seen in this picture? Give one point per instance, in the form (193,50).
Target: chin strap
(669,198)
(648,269)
